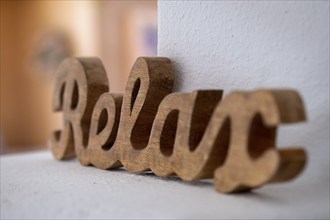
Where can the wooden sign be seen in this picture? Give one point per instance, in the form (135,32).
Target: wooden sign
(193,135)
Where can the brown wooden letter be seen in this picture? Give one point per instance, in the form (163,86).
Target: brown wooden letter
(79,84)
(252,158)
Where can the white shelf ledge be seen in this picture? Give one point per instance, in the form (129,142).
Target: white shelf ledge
(34,186)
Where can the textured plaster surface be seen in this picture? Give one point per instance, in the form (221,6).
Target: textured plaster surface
(35,186)
(245,45)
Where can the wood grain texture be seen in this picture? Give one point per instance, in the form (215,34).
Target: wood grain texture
(193,135)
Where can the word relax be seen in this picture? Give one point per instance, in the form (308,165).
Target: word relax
(192,135)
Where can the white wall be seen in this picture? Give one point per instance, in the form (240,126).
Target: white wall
(249,45)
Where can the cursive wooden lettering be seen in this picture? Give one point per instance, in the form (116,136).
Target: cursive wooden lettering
(193,135)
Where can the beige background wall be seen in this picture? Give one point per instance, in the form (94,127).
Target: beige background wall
(92,28)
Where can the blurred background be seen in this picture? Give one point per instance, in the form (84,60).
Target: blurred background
(37,35)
